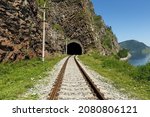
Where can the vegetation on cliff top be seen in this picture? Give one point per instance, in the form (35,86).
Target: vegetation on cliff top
(107,36)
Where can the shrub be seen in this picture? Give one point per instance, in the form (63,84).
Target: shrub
(120,66)
(40,2)
(98,21)
(57,27)
(123,53)
(107,42)
(110,63)
(143,72)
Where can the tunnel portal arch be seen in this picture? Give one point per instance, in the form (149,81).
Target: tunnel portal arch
(74,47)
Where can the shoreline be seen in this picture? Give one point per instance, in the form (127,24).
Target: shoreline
(126,58)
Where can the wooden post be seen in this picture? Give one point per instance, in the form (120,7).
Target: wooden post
(66,46)
(43,43)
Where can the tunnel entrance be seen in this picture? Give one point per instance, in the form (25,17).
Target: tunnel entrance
(74,49)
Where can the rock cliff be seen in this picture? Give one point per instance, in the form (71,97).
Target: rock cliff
(19,30)
(67,21)
(79,23)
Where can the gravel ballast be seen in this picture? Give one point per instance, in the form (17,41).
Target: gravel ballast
(44,86)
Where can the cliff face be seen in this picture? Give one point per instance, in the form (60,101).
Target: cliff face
(78,22)
(67,21)
(19,30)
(69,18)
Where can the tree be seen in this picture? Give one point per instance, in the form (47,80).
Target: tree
(123,53)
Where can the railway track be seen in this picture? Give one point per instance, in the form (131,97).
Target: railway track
(73,83)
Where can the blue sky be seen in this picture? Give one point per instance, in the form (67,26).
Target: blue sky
(130,19)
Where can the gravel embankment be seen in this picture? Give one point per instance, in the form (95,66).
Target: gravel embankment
(74,84)
(43,86)
(105,86)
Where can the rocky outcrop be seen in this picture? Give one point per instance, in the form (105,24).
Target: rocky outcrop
(77,21)
(66,21)
(71,17)
(19,30)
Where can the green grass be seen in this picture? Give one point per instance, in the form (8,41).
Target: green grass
(40,2)
(17,78)
(121,74)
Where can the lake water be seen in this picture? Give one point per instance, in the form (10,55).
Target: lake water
(140,61)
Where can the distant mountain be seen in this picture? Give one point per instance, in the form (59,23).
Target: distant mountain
(136,48)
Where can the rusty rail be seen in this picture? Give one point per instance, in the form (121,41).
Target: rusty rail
(96,91)
(57,85)
(53,95)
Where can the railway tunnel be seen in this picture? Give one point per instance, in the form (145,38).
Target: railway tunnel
(74,48)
